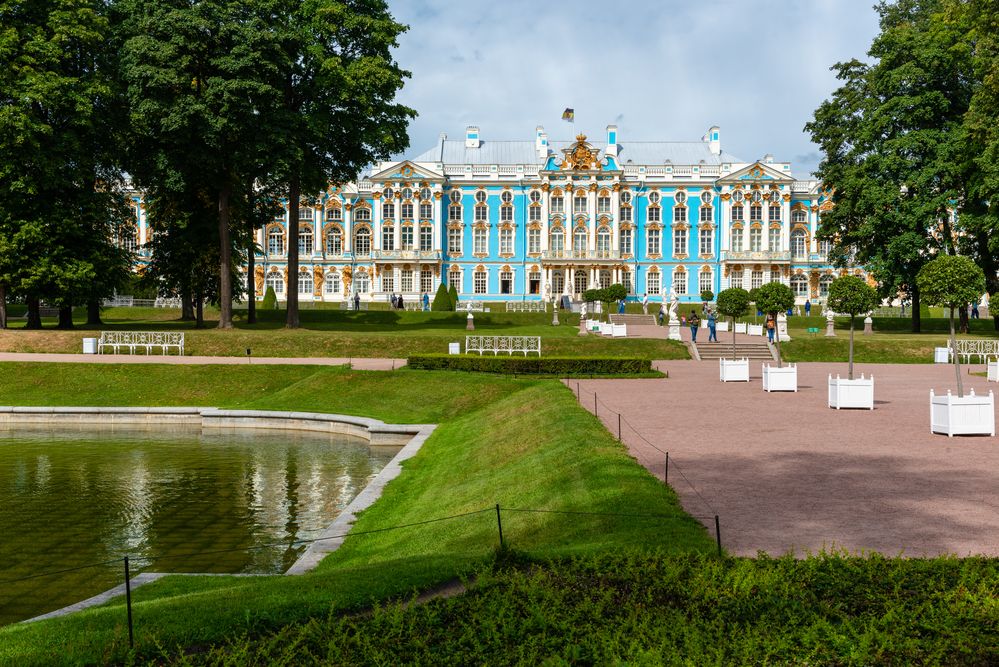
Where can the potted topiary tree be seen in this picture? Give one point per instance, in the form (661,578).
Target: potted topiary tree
(774,299)
(613,295)
(733,302)
(850,294)
(953,282)
(442,300)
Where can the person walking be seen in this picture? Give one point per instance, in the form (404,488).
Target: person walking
(426,302)
(662,313)
(771,327)
(620,307)
(974,311)
(712,324)
(357,300)
(645,304)
(398,301)
(808,308)
(694,321)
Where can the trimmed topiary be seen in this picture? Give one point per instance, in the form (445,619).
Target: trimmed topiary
(270,299)
(442,300)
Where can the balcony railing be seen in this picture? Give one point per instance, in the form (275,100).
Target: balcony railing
(415,255)
(580,254)
(758,255)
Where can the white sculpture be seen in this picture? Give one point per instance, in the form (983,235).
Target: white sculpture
(674,303)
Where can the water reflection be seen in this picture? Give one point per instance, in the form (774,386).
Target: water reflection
(72,497)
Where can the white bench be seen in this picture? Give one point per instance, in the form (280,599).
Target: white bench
(508,344)
(470,306)
(983,348)
(141,339)
(526,306)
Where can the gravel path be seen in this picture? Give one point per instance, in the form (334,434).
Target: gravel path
(786,473)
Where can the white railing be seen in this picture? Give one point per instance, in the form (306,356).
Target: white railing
(526,307)
(757,255)
(531,170)
(507,170)
(451,170)
(167,302)
(683,171)
(470,307)
(656,171)
(508,344)
(118,302)
(580,254)
(365,186)
(349,305)
(978,347)
(713,170)
(414,255)
(479,169)
(139,339)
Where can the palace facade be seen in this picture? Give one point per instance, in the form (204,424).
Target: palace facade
(530,220)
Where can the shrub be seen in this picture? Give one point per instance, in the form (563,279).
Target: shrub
(442,300)
(270,299)
(707,295)
(559,366)
(453,293)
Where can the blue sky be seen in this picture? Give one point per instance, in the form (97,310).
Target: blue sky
(663,71)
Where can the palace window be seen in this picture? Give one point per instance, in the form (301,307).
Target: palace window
(603,279)
(824,248)
(407,193)
(557,240)
(579,202)
(479,282)
(506,197)
(407,210)
(737,214)
(558,203)
(334,242)
(387,193)
(679,242)
(679,214)
(680,282)
(388,237)
(558,281)
(774,239)
(799,217)
(626,197)
(362,215)
(481,213)
(579,241)
(704,282)
(426,238)
(305,283)
(426,280)
(654,242)
(334,213)
(455,196)
(625,241)
(305,241)
(755,239)
(534,213)
(506,241)
(706,198)
(130,238)
(426,210)
(799,246)
(407,238)
(306,213)
(454,213)
(388,210)
(506,211)
(652,282)
(603,203)
(534,282)
(275,241)
(454,279)
(580,282)
(425,194)
(756,280)
(534,196)
(757,197)
(737,239)
(533,241)
(603,242)
(406,280)
(275,282)
(626,281)
(680,197)
(824,283)
(362,283)
(706,213)
(737,279)
(454,240)
(706,245)
(480,196)
(626,214)
(332,283)
(774,197)
(388,281)
(480,241)
(362,242)
(799,285)
(655,214)
(774,214)
(506,282)
(755,213)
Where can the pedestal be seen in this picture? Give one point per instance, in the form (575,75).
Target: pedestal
(470,323)
(868,326)
(674,330)
(830,330)
(782,328)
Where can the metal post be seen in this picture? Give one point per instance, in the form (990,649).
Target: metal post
(619,427)
(128,605)
(666,472)
(718,534)
(595,403)
(577,393)
(499,524)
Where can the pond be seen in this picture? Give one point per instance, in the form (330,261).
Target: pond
(70,498)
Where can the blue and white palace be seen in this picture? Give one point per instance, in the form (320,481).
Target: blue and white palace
(531,220)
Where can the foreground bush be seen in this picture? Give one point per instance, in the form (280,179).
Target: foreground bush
(531,365)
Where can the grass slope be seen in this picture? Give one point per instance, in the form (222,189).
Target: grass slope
(518,443)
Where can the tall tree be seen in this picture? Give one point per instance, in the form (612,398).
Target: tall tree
(338,86)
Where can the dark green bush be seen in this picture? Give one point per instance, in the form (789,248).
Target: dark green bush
(531,365)
(453,293)
(270,299)
(442,300)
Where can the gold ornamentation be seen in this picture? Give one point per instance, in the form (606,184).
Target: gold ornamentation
(725,196)
(317,280)
(581,156)
(258,279)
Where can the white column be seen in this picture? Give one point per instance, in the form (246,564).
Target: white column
(376,223)
(348,230)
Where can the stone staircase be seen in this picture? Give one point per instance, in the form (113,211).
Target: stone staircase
(633,319)
(755,349)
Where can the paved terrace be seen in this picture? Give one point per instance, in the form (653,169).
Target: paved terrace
(784,472)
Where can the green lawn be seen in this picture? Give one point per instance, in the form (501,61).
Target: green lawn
(519,443)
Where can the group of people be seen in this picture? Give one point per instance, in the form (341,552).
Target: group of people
(397,302)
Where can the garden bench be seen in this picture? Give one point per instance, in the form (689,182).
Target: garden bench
(164,340)
(526,306)
(978,347)
(813,330)
(508,344)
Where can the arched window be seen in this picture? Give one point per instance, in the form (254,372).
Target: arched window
(334,241)
(604,278)
(799,285)
(305,283)
(603,242)
(332,283)
(798,216)
(276,282)
(824,283)
(275,241)
(580,281)
(305,240)
(557,240)
(799,243)
(362,214)
(362,283)
(680,281)
(579,242)
(362,242)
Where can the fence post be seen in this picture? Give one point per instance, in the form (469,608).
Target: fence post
(666,471)
(128,605)
(578,395)
(718,534)
(595,412)
(619,427)
(499,524)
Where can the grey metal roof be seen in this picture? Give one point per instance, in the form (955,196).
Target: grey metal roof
(523,152)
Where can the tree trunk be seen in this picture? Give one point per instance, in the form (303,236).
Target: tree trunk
(251,286)
(186,306)
(34,317)
(957,359)
(294,187)
(963,319)
(65,317)
(94,312)
(225,262)
(199,309)
(3,306)
(733,338)
(916,325)
(852,316)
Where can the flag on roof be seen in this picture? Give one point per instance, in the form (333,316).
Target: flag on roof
(569,114)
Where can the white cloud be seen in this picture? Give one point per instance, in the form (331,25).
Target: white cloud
(661,70)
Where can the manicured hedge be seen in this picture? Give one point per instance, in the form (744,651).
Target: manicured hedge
(531,365)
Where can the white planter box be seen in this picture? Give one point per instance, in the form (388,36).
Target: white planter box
(619,330)
(857,393)
(755,329)
(740,327)
(992,374)
(721,326)
(90,346)
(780,379)
(733,371)
(970,415)
(606,328)
(941,355)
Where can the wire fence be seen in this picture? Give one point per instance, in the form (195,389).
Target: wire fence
(127,562)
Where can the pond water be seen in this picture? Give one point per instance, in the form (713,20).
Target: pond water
(69,498)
